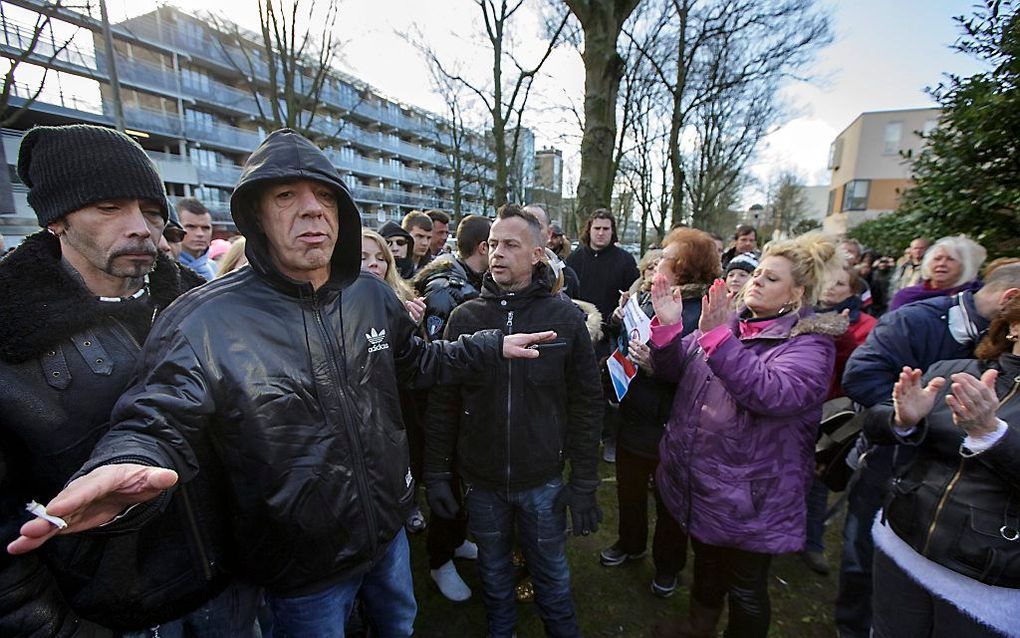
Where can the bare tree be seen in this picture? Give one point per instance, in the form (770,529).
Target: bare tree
(787,201)
(505,94)
(28,45)
(287,66)
(718,45)
(465,148)
(602,22)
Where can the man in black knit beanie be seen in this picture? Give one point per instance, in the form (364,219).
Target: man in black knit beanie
(80,297)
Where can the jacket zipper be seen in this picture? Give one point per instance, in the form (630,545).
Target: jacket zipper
(956,476)
(359,457)
(509,383)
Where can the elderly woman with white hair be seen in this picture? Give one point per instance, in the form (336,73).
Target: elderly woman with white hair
(949,267)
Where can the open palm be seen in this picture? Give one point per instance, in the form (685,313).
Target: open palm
(912,401)
(666,302)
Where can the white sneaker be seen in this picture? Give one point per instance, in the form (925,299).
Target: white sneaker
(450,583)
(467,551)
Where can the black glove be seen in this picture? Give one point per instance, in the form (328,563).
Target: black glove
(439,493)
(585,513)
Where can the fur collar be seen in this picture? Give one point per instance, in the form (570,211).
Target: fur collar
(592,319)
(828,323)
(45,304)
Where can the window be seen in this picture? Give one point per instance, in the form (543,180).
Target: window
(203,157)
(891,143)
(855,194)
(832,202)
(201,118)
(835,154)
(929,126)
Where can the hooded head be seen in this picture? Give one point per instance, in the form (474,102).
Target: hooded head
(393,231)
(286,157)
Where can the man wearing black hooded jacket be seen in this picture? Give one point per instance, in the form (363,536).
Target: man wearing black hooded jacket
(295,402)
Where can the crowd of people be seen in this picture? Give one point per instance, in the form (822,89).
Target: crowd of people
(229,437)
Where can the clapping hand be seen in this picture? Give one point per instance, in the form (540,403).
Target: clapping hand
(716,308)
(666,302)
(912,402)
(974,402)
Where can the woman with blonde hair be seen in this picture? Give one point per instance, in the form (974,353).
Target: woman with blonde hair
(377,259)
(234,257)
(950,266)
(738,452)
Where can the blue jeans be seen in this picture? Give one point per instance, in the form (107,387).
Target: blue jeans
(541,533)
(386,589)
(817,507)
(229,615)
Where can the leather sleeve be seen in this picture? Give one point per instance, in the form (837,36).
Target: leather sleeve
(442,420)
(584,408)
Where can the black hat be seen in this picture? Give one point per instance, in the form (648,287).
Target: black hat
(556,231)
(69,167)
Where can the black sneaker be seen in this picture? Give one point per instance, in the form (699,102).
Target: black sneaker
(614,556)
(665,586)
(816,562)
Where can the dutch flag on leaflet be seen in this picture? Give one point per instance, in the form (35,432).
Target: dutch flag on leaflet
(621,371)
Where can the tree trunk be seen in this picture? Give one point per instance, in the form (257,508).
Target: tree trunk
(602,21)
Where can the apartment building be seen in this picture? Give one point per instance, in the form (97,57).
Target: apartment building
(184,101)
(870,164)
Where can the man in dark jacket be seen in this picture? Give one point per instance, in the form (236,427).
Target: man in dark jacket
(916,335)
(294,400)
(401,244)
(80,298)
(603,268)
(509,434)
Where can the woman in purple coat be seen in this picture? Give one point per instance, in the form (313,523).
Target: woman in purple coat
(738,452)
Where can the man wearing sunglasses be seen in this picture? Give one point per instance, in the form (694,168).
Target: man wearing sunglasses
(400,243)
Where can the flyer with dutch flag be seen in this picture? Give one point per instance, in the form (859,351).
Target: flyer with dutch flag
(638,328)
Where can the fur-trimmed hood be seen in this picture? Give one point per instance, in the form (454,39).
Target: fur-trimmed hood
(592,319)
(829,323)
(44,303)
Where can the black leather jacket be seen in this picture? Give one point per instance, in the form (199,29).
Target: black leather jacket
(514,431)
(65,358)
(960,511)
(295,392)
(445,283)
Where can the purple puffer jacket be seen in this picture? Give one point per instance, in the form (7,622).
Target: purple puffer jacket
(738,452)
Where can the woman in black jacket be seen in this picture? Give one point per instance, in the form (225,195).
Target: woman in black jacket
(689,258)
(947,560)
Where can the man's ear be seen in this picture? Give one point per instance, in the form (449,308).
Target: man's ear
(1007,295)
(57,228)
(483,247)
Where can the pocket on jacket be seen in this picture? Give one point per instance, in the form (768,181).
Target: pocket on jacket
(731,499)
(980,541)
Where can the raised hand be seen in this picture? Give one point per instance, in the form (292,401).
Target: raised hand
(974,402)
(518,346)
(912,402)
(416,308)
(715,307)
(666,302)
(94,499)
(618,311)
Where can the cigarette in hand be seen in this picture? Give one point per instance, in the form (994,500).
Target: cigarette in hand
(40,512)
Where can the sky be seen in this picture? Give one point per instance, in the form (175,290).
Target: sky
(885,52)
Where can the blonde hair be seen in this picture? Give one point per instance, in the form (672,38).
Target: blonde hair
(399,286)
(970,253)
(641,284)
(815,257)
(232,258)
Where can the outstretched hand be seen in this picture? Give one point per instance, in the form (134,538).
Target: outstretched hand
(912,402)
(518,346)
(716,308)
(94,499)
(974,402)
(666,301)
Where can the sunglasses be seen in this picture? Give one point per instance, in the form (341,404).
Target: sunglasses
(396,242)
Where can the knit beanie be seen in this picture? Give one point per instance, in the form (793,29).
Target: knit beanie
(743,261)
(69,167)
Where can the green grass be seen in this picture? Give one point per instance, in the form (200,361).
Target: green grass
(617,601)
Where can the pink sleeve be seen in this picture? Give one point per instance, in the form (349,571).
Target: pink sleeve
(713,338)
(663,335)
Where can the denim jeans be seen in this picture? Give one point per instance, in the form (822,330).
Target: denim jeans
(229,615)
(541,533)
(386,589)
(853,603)
(817,507)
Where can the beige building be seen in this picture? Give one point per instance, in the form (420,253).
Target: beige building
(870,164)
